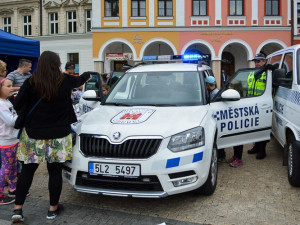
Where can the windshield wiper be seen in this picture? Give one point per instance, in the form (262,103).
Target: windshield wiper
(157,105)
(117,104)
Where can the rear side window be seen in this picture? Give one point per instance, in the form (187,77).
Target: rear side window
(275,60)
(287,65)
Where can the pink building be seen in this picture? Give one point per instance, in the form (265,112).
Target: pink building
(230,31)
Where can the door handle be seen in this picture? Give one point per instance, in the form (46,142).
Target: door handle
(265,106)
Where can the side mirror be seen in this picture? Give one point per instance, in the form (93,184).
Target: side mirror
(126,67)
(280,78)
(90,95)
(230,95)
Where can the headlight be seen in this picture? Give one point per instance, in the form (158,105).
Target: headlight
(189,139)
(73,138)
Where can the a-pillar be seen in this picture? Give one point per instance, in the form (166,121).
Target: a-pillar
(251,64)
(216,68)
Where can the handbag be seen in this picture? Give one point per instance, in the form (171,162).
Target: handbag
(21,123)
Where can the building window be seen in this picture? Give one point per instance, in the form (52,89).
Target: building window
(53,23)
(138,8)
(27,25)
(272,7)
(88,19)
(165,8)
(199,7)
(74,58)
(111,8)
(236,7)
(71,22)
(298,14)
(7,24)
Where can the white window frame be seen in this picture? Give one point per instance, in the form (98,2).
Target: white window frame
(27,26)
(72,21)
(141,12)
(53,22)
(7,24)
(88,20)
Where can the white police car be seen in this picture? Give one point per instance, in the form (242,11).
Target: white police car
(157,133)
(91,89)
(286,123)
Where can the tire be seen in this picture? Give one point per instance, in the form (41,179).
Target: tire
(293,162)
(209,187)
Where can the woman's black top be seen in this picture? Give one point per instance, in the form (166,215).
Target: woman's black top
(50,119)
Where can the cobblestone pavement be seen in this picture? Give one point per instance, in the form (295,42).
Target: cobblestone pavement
(256,193)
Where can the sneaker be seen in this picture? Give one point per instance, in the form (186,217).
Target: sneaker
(52,214)
(17,216)
(236,163)
(5,200)
(13,193)
(231,159)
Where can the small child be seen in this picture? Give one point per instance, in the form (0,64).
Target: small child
(8,142)
(105,89)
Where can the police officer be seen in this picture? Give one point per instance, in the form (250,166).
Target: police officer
(257,86)
(210,82)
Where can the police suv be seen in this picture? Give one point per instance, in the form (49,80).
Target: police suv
(286,122)
(157,133)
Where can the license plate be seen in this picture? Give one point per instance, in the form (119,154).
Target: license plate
(114,169)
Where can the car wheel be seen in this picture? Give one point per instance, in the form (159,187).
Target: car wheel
(293,162)
(209,187)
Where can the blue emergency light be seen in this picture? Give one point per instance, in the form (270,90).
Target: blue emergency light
(186,57)
(192,57)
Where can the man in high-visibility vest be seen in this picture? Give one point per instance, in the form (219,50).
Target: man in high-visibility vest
(257,86)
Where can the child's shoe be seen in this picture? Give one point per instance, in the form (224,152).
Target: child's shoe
(231,159)
(236,163)
(5,200)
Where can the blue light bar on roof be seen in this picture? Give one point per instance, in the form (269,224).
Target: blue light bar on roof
(186,57)
(164,57)
(192,57)
(149,58)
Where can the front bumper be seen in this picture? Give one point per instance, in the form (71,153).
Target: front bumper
(158,174)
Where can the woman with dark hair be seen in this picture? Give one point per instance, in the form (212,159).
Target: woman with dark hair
(47,129)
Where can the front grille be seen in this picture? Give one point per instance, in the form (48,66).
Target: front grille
(142,183)
(130,149)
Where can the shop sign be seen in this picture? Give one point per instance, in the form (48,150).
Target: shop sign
(119,56)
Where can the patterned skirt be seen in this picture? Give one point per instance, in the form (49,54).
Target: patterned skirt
(51,150)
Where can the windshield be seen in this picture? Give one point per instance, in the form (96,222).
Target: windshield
(117,74)
(164,88)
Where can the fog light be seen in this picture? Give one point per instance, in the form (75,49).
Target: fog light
(185,181)
(84,175)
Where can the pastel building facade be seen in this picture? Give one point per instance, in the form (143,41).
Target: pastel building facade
(62,26)
(230,31)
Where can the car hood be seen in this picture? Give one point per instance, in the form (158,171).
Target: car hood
(140,121)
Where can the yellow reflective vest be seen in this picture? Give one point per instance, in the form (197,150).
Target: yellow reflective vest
(256,87)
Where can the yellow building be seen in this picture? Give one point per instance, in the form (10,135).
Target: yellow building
(231,32)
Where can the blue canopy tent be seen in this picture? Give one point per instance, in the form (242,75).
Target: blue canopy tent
(13,48)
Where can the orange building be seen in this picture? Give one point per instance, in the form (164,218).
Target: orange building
(230,31)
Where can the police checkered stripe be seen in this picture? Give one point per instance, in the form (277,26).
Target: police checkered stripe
(289,95)
(178,161)
(216,115)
